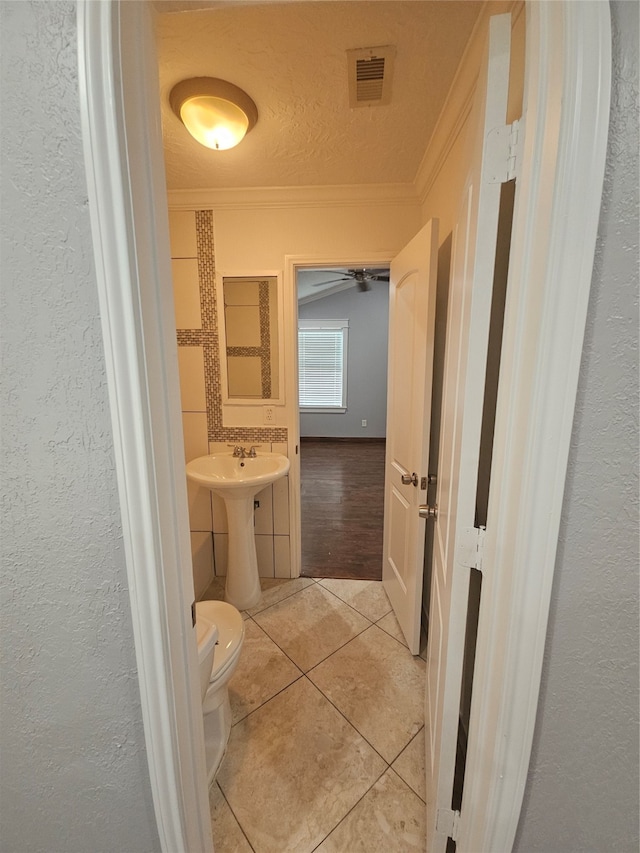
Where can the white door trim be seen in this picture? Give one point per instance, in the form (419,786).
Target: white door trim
(291,264)
(566,117)
(120,113)
(567,92)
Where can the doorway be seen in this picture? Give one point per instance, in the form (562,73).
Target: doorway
(342,333)
(566,41)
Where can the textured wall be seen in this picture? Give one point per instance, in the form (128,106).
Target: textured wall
(582,792)
(74,773)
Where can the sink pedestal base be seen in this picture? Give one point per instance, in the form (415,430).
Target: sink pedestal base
(243,582)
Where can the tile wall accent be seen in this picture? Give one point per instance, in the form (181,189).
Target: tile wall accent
(193,264)
(206,272)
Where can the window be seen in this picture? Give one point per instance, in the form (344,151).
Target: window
(322,365)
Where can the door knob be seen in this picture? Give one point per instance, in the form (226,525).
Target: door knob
(426,511)
(408,479)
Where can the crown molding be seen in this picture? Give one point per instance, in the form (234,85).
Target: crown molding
(457,105)
(448,127)
(345,195)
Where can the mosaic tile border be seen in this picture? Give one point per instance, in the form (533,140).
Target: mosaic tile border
(208,339)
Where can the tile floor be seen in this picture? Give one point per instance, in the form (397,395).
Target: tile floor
(327,746)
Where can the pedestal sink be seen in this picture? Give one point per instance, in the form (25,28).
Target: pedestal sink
(237,481)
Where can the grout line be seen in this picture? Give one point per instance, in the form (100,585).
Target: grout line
(266,701)
(389,634)
(280,600)
(370,625)
(358,732)
(368,791)
(347,603)
(282,689)
(346,643)
(233,813)
(423,728)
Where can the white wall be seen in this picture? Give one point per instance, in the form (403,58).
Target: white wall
(74,774)
(368,315)
(262,237)
(582,792)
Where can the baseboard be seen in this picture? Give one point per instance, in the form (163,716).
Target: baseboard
(350,439)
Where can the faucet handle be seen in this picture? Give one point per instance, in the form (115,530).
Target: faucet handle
(237,450)
(252,450)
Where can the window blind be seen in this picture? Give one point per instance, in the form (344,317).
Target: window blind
(322,364)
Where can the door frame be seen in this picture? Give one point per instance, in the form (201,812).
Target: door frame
(122,145)
(567,92)
(555,223)
(292,263)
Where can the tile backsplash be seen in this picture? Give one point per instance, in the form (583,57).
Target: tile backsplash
(193,266)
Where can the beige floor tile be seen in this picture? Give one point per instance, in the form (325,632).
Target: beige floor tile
(273,590)
(410,765)
(293,769)
(277,589)
(390,624)
(367,597)
(263,670)
(390,818)
(310,625)
(379,687)
(227,835)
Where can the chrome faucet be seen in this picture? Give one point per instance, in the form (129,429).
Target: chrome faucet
(242,452)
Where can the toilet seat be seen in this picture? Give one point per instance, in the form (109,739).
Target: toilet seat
(230,625)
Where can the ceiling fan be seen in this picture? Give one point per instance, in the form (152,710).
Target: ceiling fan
(362,277)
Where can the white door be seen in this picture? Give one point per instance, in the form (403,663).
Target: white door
(457,541)
(412,302)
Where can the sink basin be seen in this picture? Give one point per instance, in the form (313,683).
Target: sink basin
(223,473)
(237,481)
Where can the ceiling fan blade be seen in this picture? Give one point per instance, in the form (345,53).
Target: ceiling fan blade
(332,281)
(379,278)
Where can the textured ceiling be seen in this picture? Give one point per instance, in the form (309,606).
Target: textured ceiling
(290,57)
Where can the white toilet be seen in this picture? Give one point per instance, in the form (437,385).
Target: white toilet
(215,706)
(207,637)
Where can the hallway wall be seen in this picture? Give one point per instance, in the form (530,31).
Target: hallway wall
(582,792)
(74,770)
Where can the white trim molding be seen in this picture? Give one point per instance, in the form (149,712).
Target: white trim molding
(290,328)
(566,117)
(119,106)
(256,198)
(459,100)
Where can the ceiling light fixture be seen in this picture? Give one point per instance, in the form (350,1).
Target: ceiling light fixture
(216,113)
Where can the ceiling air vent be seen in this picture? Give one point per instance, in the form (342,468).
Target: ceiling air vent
(370,74)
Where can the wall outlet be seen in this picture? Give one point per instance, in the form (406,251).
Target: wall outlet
(364,422)
(269,414)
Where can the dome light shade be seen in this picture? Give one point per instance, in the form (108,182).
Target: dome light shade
(216,113)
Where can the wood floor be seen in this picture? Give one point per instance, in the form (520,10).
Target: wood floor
(342,508)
